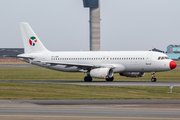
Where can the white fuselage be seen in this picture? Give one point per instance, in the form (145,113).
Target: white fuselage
(122,61)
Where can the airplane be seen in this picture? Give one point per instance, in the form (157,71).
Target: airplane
(96,64)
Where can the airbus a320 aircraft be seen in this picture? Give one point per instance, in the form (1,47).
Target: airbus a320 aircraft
(101,64)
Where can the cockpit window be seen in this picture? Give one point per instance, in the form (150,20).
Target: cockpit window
(162,58)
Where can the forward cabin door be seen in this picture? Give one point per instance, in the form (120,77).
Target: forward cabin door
(148,59)
(44,58)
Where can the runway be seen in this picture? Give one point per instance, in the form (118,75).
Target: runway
(100,83)
(30,109)
(124,109)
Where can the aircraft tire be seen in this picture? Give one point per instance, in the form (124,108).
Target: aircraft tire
(87,79)
(153,79)
(110,79)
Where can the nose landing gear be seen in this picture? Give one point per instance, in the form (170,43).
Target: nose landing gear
(153,79)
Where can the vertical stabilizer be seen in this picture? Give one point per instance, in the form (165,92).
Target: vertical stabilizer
(31,41)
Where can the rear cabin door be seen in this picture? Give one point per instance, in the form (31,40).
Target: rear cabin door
(44,58)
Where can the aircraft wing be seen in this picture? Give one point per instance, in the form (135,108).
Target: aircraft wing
(76,64)
(69,64)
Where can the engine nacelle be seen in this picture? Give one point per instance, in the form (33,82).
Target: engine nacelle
(132,74)
(101,73)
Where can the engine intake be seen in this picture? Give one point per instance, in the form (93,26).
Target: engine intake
(101,73)
(132,74)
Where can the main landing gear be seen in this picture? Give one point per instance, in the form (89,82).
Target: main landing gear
(153,79)
(110,79)
(88,79)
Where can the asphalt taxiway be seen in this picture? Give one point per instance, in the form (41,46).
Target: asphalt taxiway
(100,83)
(39,109)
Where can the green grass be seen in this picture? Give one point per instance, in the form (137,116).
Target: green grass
(56,91)
(39,73)
(36,73)
(178,62)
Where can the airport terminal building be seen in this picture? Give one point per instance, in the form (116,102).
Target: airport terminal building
(173,52)
(4,52)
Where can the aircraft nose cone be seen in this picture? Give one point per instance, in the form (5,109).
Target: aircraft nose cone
(172,64)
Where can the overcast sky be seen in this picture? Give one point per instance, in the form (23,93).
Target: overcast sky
(63,25)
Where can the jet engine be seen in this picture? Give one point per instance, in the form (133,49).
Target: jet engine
(132,74)
(101,73)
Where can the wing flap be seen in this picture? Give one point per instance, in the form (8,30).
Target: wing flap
(69,64)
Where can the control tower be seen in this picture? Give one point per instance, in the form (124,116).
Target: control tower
(94,12)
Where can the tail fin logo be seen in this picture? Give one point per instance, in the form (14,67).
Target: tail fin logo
(32,41)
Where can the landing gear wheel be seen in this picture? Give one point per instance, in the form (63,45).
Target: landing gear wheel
(153,79)
(110,79)
(88,79)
